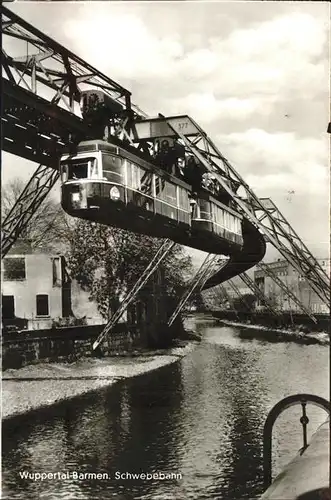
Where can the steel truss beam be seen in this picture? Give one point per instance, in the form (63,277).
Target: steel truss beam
(162,252)
(48,73)
(256,291)
(36,129)
(25,207)
(267,220)
(198,281)
(40,113)
(266,269)
(51,66)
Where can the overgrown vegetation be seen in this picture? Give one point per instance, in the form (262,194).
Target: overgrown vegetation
(107,261)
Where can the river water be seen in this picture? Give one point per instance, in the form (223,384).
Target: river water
(201,419)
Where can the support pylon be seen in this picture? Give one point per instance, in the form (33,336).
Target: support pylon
(288,292)
(32,196)
(162,252)
(256,291)
(198,281)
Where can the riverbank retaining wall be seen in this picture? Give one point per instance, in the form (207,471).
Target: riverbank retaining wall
(66,344)
(286,320)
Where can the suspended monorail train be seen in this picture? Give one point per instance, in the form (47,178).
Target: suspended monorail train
(115,185)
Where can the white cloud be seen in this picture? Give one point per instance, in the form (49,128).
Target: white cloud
(209,109)
(244,73)
(121,43)
(280,161)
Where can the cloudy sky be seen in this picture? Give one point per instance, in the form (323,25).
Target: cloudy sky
(254,75)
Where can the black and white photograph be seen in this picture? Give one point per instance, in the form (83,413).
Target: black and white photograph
(165,250)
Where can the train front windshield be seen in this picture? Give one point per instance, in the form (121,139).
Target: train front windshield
(74,169)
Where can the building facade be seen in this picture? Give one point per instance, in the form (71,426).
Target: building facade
(297,283)
(36,288)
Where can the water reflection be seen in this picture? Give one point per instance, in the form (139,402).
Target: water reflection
(202,417)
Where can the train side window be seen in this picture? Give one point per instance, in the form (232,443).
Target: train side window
(226,217)
(146,179)
(159,187)
(183,201)
(231,222)
(64,172)
(220,216)
(112,168)
(135,180)
(170,193)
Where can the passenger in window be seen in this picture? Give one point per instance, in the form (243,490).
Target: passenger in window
(193,174)
(163,156)
(209,182)
(193,207)
(178,153)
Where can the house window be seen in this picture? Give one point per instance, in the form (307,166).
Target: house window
(14,269)
(42,305)
(8,307)
(56,264)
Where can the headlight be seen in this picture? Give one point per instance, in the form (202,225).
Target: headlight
(75,196)
(114,193)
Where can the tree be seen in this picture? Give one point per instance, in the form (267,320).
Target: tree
(107,261)
(48,224)
(245,303)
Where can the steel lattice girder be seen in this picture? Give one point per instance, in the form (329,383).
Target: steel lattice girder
(282,286)
(247,202)
(40,115)
(257,291)
(34,128)
(198,280)
(64,71)
(53,73)
(29,201)
(239,295)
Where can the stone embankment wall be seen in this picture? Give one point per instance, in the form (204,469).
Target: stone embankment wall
(65,344)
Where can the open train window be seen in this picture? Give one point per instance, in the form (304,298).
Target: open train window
(75,169)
